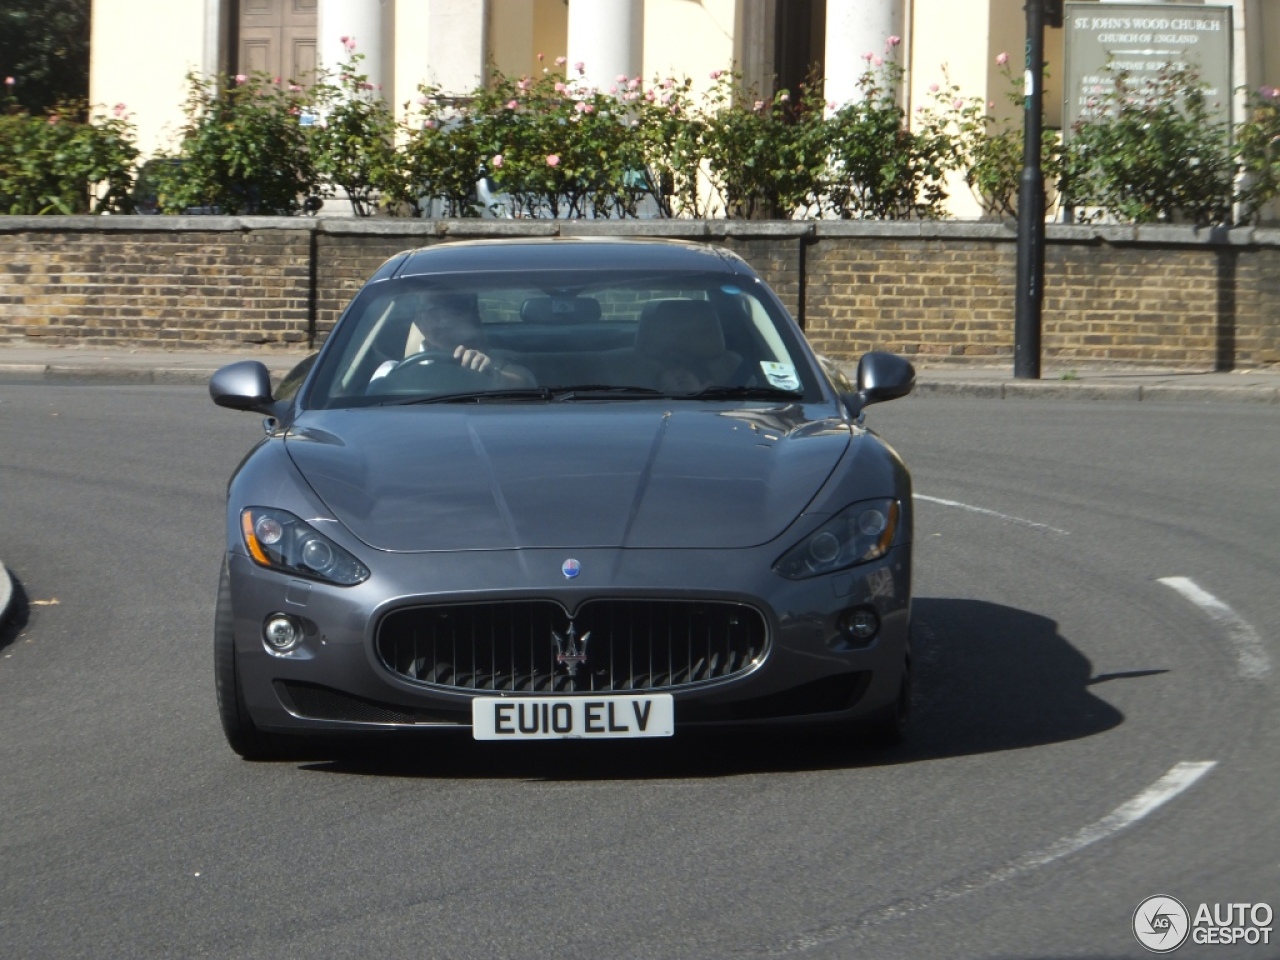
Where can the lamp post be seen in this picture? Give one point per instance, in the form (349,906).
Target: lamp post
(1029,293)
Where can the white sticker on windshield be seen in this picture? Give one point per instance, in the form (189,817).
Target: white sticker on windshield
(780,375)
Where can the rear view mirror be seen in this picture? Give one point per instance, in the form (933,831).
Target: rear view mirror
(881,376)
(243,386)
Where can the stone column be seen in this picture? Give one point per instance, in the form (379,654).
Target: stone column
(855,28)
(358,20)
(456,44)
(607,37)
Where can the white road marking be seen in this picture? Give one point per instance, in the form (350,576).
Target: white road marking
(1251,655)
(1179,778)
(991,513)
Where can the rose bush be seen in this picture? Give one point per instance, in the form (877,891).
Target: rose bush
(58,164)
(243,149)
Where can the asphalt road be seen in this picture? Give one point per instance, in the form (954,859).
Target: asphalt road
(1091,730)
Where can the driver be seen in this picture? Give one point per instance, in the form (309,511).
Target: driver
(450,324)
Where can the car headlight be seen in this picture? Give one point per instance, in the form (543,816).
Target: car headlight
(857,534)
(279,540)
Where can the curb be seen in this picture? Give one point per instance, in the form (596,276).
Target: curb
(119,375)
(1084,391)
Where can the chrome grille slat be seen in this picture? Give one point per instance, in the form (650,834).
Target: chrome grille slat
(634,645)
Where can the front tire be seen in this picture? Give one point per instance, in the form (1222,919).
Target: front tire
(888,728)
(238,727)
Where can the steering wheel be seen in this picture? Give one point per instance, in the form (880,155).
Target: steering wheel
(430,372)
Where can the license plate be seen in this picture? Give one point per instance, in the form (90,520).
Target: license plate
(562,718)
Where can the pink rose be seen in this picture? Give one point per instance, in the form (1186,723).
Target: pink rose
(933,88)
(716,74)
(9,81)
(498,158)
(512,104)
(539,58)
(241,78)
(561,61)
(1002,59)
(877,61)
(553,160)
(759,105)
(580,107)
(957,103)
(560,87)
(867,56)
(580,66)
(589,109)
(893,41)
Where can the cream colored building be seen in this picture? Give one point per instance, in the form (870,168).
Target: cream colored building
(142,50)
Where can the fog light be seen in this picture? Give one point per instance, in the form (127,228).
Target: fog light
(861,625)
(282,633)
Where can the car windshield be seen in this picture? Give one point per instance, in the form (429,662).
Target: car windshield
(509,337)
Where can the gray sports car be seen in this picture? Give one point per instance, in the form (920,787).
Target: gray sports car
(563,489)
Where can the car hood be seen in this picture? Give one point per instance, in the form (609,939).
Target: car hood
(421,478)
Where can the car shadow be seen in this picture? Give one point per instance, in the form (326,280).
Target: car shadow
(988,678)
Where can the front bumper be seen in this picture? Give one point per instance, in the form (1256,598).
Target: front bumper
(810,670)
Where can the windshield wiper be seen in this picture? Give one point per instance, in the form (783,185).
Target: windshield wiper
(478,396)
(604,391)
(746,393)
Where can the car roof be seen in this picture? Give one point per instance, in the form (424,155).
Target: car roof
(571,253)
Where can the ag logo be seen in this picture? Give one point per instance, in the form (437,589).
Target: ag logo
(1161,924)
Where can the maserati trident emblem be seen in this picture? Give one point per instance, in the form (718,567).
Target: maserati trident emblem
(570,651)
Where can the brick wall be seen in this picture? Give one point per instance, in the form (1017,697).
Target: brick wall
(98,281)
(939,292)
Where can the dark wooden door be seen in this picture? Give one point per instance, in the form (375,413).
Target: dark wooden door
(278,37)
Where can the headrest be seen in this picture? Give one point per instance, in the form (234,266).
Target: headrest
(452,301)
(560,310)
(680,328)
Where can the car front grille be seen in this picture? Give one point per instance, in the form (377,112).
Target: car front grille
(607,646)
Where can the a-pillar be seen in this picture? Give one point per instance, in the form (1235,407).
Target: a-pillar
(606,36)
(357,20)
(856,28)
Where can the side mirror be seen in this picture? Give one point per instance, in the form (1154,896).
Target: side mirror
(243,386)
(881,376)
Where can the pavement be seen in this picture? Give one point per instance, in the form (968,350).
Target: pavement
(1060,381)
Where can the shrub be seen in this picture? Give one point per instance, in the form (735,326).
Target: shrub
(1150,152)
(1258,143)
(243,149)
(56,164)
(881,168)
(991,148)
(559,148)
(353,141)
(441,158)
(671,133)
(767,159)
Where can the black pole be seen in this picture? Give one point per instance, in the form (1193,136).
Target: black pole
(1029,295)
